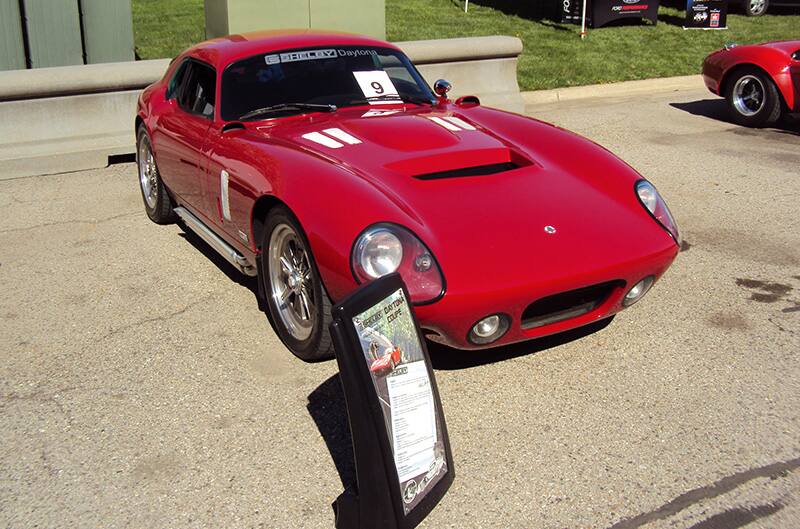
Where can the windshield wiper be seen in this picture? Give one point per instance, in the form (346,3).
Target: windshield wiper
(287,106)
(419,100)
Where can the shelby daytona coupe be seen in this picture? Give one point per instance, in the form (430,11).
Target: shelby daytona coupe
(760,82)
(320,161)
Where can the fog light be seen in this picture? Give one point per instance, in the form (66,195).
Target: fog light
(638,291)
(489,329)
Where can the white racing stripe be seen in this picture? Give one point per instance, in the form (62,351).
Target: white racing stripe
(317,137)
(341,135)
(460,122)
(443,123)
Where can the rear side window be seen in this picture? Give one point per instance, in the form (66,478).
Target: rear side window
(198,90)
(177,79)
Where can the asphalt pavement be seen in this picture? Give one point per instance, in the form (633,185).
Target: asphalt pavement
(140,385)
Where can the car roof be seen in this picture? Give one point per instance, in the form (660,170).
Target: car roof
(220,52)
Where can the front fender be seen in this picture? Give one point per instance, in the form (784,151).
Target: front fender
(773,62)
(332,203)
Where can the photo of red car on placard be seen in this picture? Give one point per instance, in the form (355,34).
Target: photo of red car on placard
(385,364)
(321,161)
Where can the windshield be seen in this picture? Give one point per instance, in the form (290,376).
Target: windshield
(341,76)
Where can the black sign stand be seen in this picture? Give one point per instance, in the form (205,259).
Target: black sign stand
(376,500)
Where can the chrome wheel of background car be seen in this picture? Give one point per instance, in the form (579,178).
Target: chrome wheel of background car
(757,7)
(748,95)
(291,281)
(148,174)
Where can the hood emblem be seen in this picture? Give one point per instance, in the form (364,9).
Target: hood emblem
(549,230)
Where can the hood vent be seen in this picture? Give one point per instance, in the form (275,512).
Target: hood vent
(479,170)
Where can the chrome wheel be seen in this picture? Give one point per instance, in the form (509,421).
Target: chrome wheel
(757,7)
(292,282)
(148,174)
(749,95)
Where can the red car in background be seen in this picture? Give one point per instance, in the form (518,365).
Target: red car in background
(319,161)
(760,82)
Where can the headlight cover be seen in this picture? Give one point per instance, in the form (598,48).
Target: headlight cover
(385,248)
(657,208)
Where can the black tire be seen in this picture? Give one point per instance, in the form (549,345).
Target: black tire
(317,345)
(755,8)
(753,99)
(157,202)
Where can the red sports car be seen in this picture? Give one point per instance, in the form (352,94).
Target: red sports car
(385,364)
(760,82)
(319,161)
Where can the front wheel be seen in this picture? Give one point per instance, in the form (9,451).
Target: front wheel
(299,308)
(753,98)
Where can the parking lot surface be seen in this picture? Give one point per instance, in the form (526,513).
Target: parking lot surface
(140,385)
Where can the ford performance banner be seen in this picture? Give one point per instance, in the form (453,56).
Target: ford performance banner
(606,11)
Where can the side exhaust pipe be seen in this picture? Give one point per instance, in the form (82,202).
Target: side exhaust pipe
(218,244)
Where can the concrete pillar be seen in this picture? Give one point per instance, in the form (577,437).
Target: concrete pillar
(225,17)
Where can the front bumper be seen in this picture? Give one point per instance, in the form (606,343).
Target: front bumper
(450,319)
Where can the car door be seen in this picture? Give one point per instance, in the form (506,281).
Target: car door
(182,133)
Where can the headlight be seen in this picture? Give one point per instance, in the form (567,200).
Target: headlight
(379,253)
(386,248)
(657,208)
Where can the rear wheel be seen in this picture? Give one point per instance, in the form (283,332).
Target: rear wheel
(157,203)
(753,98)
(298,305)
(755,8)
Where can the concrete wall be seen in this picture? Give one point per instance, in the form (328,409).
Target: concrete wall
(72,118)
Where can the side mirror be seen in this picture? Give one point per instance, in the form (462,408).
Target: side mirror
(441,87)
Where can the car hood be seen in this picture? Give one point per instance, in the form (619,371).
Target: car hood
(786,46)
(393,144)
(538,207)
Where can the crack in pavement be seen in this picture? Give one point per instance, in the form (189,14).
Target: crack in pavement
(162,318)
(78,221)
(718,488)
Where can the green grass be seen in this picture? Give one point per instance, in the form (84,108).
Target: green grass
(164,28)
(553,55)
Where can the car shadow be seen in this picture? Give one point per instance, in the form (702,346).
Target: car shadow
(326,404)
(717,109)
(250,283)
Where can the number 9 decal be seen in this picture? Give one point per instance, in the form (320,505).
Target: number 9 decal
(377,87)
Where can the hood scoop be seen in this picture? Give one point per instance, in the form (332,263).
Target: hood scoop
(461,163)
(478,170)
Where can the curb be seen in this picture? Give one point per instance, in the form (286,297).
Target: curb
(625,88)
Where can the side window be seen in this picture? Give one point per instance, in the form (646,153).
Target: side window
(198,92)
(177,79)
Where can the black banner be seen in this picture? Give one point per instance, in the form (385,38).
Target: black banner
(606,11)
(706,14)
(570,11)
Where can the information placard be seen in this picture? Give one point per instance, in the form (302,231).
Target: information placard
(393,352)
(400,442)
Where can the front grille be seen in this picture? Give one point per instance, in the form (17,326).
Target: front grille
(566,305)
